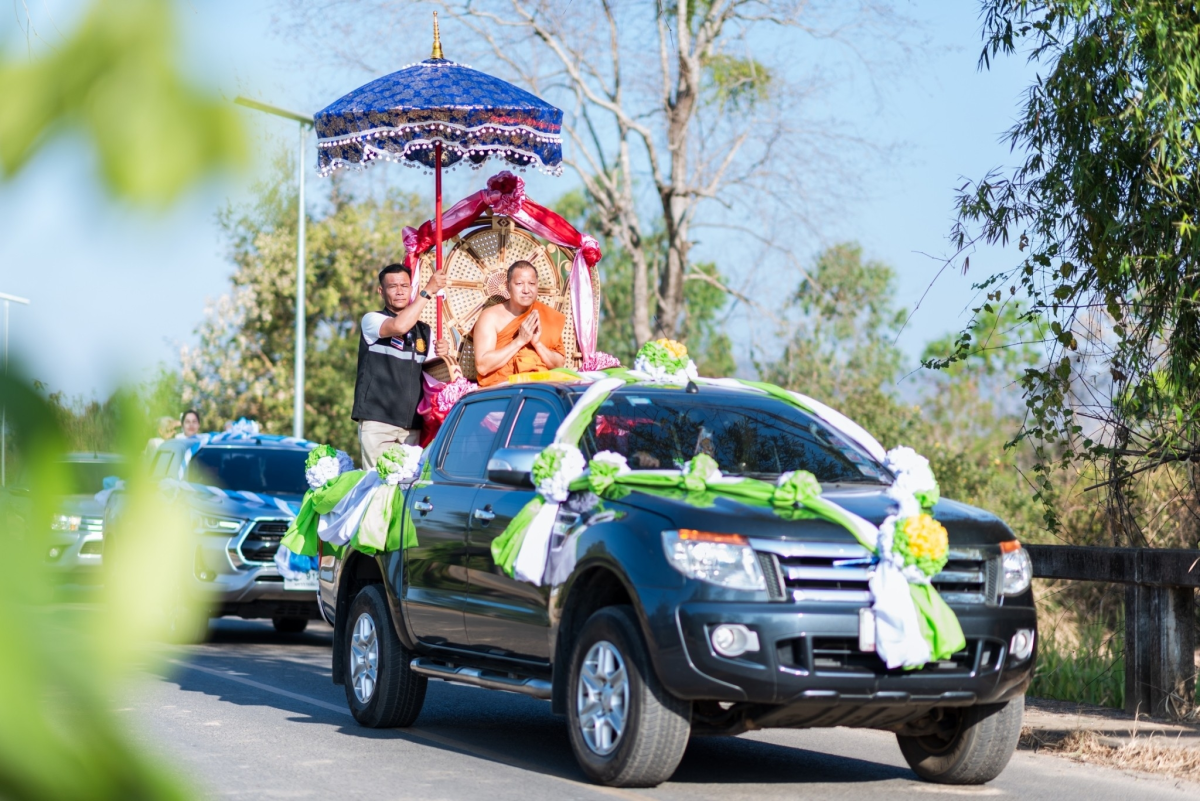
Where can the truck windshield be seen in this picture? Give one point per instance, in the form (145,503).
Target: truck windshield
(87,478)
(250,469)
(759,438)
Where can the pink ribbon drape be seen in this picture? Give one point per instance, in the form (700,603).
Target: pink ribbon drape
(505,194)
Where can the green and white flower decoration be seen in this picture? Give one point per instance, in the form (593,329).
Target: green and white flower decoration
(398,464)
(665,361)
(554,470)
(324,464)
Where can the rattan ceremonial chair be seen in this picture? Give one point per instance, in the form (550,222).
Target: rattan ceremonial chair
(476,273)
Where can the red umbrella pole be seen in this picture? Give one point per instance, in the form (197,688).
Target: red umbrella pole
(437,226)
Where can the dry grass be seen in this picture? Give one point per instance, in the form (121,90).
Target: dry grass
(1145,754)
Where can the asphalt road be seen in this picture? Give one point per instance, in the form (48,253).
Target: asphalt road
(253,714)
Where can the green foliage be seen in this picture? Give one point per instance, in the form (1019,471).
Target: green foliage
(243,365)
(842,351)
(94,425)
(1104,208)
(1091,671)
(841,348)
(708,344)
(116,79)
(736,84)
(61,666)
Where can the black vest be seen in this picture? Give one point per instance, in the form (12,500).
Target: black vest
(388,386)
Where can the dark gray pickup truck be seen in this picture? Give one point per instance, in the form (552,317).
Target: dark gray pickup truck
(639,651)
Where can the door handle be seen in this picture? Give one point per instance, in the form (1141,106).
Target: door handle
(485,514)
(424,507)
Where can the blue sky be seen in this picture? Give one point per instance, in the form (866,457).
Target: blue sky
(117,290)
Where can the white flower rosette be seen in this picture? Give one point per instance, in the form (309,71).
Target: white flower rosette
(324,464)
(398,464)
(244,428)
(554,470)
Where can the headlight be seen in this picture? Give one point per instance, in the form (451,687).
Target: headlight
(724,559)
(65,523)
(1018,568)
(212,524)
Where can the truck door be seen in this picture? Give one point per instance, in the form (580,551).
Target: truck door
(504,615)
(436,590)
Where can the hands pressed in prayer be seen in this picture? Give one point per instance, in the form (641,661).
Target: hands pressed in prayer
(531,329)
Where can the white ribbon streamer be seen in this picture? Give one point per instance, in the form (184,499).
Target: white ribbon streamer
(531,559)
(898,639)
(338,527)
(602,387)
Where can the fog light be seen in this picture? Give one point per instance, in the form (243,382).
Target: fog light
(733,640)
(54,552)
(1022,645)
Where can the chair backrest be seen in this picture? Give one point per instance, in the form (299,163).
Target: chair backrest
(476,270)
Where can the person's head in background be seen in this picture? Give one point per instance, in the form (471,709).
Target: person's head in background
(395,287)
(190,420)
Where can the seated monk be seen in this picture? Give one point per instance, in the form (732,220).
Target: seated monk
(520,335)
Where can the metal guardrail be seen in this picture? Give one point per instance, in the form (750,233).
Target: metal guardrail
(1160,616)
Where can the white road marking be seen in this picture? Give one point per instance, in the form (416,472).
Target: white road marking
(416,734)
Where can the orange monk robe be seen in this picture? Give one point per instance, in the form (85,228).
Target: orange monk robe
(526,359)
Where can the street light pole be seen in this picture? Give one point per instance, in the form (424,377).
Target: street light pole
(301,344)
(8,299)
(306,123)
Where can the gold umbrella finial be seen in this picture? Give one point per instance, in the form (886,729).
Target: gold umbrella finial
(437,39)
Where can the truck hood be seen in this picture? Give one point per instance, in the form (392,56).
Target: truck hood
(966,525)
(81,505)
(283,506)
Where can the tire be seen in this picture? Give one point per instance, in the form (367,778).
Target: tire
(382,690)
(973,744)
(290,625)
(653,731)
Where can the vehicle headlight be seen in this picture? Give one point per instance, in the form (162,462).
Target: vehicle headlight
(1018,568)
(65,522)
(214,524)
(723,559)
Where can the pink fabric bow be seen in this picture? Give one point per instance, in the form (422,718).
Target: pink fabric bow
(505,193)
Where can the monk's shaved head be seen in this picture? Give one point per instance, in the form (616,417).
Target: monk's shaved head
(520,265)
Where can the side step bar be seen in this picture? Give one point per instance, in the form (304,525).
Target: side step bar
(491,679)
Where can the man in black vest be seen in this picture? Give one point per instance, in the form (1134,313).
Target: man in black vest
(391,355)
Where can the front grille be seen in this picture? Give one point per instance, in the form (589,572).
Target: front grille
(91,524)
(809,574)
(969,577)
(833,573)
(841,655)
(262,542)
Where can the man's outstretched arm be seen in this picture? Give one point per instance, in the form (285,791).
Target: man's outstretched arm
(403,322)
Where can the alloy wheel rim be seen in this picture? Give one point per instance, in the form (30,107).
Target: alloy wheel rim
(602,698)
(364,658)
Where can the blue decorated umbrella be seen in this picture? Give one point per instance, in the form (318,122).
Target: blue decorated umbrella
(436,114)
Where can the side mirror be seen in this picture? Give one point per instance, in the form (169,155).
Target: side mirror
(512,466)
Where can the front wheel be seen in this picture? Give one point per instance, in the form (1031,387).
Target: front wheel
(626,730)
(382,690)
(968,745)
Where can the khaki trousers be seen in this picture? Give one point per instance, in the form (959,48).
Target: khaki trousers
(374,438)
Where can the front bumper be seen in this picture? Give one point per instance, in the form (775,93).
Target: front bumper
(75,557)
(808,657)
(232,585)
